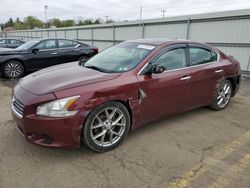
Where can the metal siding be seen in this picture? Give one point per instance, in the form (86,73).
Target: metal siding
(60,34)
(221,31)
(127,33)
(45,34)
(102,45)
(166,31)
(39,34)
(71,34)
(52,34)
(103,33)
(241,54)
(86,42)
(84,33)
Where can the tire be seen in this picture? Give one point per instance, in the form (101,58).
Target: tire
(83,60)
(222,96)
(102,133)
(13,69)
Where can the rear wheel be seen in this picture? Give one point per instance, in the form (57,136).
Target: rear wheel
(13,69)
(106,127)
(223,95)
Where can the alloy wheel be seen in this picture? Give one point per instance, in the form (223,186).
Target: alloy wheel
(224,94)
(13,69)
(108,126)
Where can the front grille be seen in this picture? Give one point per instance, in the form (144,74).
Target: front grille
(17,107)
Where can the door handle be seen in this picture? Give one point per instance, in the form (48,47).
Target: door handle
(218,71)
(185,78)
(53,53)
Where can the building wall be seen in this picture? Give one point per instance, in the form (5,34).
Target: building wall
(229,31)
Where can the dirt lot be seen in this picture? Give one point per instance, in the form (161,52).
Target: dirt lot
(198,149)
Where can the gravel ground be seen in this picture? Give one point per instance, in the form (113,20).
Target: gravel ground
(197,149)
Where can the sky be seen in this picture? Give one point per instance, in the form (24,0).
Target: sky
(118,10)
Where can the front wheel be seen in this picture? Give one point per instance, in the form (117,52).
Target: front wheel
(13,69)
(223,95)
(106,127)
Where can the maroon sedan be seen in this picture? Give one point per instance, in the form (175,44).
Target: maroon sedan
(123,87)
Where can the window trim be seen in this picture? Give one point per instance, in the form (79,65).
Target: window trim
(165,50)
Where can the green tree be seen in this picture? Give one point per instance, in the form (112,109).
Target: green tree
(31,22)
(9,23)
(98,21)
(68,23)
(56,22)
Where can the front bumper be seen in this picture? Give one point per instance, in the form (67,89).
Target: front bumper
(56,133)
(49,132)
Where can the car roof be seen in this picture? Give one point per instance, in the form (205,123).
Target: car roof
(157,41)
(162,41)
(40,39)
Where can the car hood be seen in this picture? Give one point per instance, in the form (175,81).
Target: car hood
(8,51)
(62,77)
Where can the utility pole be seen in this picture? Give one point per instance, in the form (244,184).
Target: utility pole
(140,13)
(45,12)
(163,13)
(107,18)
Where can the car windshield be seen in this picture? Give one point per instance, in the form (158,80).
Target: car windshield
(120,58)
(27,45)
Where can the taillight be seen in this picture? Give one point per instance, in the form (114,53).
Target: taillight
(96,50)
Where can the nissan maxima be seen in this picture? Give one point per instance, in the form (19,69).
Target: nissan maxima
(38,54)
(98,103)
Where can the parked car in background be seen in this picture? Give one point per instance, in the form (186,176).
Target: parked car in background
(119,89)
(10,43)
(38,54)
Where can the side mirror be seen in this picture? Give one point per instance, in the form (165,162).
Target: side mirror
(157,69)
(35,50)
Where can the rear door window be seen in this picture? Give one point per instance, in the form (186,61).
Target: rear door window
(200,56)
(66,43)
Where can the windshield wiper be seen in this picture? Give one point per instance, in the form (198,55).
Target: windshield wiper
(96,68)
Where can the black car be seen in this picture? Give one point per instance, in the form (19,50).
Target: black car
(38,54)
(10,43)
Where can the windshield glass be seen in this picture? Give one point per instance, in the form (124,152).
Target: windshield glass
(28,45)
(120,58)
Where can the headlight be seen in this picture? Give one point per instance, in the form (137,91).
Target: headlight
(57,108)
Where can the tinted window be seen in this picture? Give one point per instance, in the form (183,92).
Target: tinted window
(66,43)
(201,56)
(48,44)
(2,41)
(173,59)
(13,41)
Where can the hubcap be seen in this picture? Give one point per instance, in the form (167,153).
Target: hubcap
(108,126)
(224,95)
(13,70)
